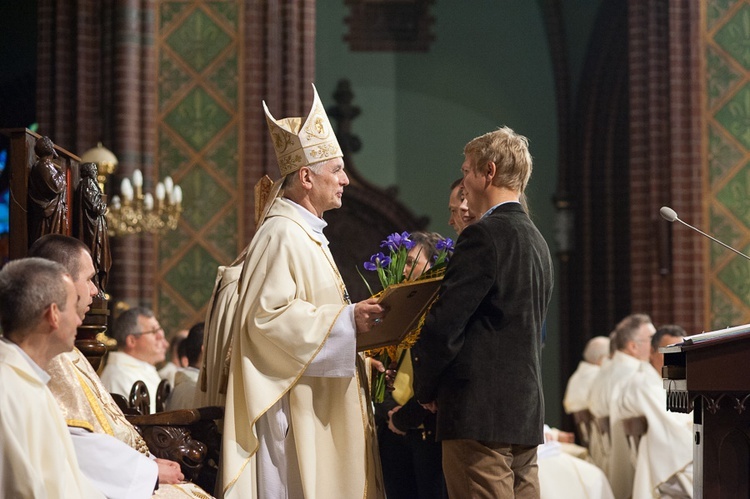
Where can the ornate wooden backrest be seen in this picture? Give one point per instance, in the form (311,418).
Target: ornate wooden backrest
(635,428)
(602,426)
(139,398)
(162,394)
(583,421)
(21,160)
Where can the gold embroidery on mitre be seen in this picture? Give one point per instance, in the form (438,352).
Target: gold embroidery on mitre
(323,151)
(314,138)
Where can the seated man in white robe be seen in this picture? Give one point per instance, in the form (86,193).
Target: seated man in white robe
(186,378)
(664,465)
(38,317)
(141,345)
(110,451)
(632,339)
(579,384)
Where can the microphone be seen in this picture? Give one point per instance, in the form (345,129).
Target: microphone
(670,215)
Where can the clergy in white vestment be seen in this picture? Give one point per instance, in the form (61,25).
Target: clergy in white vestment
(632,337)
(110,452)
(38,316)
(664,466)
(217,337)
(298,420)
(579,384)
(141,345)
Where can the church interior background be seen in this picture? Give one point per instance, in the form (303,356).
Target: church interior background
(628,106)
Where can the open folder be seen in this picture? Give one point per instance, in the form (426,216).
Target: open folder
(405,304)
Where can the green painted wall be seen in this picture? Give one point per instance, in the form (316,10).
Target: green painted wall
(488,66)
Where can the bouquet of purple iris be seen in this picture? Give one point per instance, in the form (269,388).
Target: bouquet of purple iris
(390,270)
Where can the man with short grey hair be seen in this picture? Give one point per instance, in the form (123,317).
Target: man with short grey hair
(632,338)
(39,318)
(142,345)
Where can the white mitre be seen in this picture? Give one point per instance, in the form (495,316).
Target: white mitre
(299,144)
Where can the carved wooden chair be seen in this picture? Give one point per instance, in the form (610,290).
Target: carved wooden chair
(583,421)
(190,437)
(635,428)
(602,427)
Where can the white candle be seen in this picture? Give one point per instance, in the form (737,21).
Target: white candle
(137,178)
(168,185)
(126,189)
(148,201)
(160,191)
(116,202)
(177,195)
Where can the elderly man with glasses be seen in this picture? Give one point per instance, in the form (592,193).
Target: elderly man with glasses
(141,345)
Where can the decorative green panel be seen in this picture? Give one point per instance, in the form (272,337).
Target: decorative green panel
(171,79)
(198,40)
(223,157)
(172,242)
(727,160)
(735,116)
(724,229)
(722,155)
(736,276)
(199,54)
(206,197)
(223,235)
(170,10)
(198,118)
(736,195)
(171,315)
(172,157)
(725,312)
(226,10)
(193,276)
(225,79)
(715,10)
(720,78)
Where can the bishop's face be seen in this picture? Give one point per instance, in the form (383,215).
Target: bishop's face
(328,186)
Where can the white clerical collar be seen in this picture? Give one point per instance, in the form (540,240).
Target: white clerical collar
(316,224)
(43,376)
(488,212)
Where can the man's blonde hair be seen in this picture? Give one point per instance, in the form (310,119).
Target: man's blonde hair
(510,153)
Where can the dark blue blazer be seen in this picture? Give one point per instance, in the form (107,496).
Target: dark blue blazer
(479,352)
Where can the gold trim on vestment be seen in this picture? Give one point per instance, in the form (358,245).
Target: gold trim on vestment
(302,371)
(95,407)
(77,423)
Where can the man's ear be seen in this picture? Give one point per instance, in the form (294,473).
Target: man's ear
(52,316)
(130,341)
(490,170)
(305,177)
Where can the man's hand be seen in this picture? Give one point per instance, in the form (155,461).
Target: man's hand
(391,426)
(430,406)
(169,471)
(367,314)
(390,376)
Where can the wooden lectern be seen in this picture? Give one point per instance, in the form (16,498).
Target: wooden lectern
(710,374)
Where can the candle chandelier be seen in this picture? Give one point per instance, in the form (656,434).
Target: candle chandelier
(133,212)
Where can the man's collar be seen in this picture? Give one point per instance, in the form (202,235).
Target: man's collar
(316,224)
